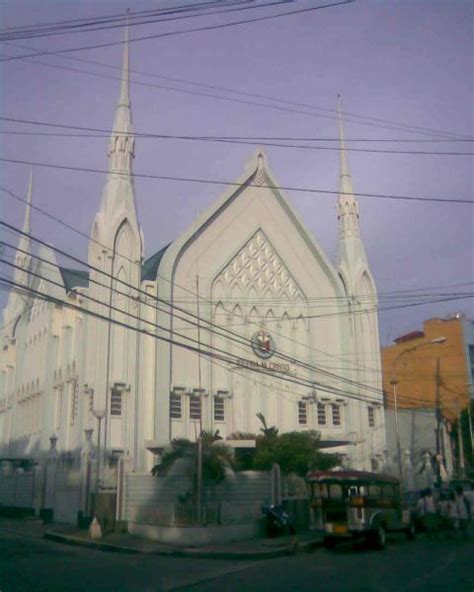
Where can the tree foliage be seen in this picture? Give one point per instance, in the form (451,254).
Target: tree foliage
(216,456)
(295,452)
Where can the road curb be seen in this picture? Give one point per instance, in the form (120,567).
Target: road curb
(173,552)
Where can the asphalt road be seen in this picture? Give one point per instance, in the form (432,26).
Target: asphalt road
(418,566)
(30,564)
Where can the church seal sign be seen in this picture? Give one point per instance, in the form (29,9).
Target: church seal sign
(263,345)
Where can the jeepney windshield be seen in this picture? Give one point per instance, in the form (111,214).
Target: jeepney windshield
(337,491)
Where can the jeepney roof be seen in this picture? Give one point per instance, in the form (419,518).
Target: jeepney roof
(352,476)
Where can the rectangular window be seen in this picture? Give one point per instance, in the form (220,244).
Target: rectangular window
(302,413)
(321,414)
(175,406)
(194,407)
(371,416)
(219,409)
(336,414)
(116,402)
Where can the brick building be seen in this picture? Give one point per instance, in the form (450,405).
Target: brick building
(433,372)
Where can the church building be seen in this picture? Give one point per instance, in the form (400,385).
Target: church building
(126,353)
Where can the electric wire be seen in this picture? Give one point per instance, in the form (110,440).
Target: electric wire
(211,352)
(60,221)
(116,17)
(314,111)
(102,133)
(243,341)
(213,326)
(183,31)
(198,350)
(246,342)
(201,181)
(132,20)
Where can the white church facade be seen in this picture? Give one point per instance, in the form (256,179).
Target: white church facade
(204,334)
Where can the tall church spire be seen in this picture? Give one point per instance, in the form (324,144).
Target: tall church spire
(347,206)
(118,196)
(27,221)
(122,143)
(23,254)
(21,274)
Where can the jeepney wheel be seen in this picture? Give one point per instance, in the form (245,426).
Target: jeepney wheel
(378,538)
(411,531)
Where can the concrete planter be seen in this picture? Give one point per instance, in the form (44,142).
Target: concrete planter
(196,536)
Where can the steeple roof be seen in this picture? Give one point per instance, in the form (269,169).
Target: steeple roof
(122,143)
(353,265)
(23,254)
(27,221)
(347,207)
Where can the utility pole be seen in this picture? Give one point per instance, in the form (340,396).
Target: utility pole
(470,426)
(438,408)
(199,458)
(469,415)
(461,465)
(438,422)
(394,383)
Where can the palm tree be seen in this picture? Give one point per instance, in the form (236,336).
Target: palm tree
(268,432)
(216,457)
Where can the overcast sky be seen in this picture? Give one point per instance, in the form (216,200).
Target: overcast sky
(404,62)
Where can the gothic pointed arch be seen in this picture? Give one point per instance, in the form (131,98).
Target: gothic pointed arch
(237,311)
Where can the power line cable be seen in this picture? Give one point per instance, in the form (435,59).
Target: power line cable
(377,122)
(164,279)
(246,142)
(348,117)
(233,359)
(243,340)
(183,32)
(235,184)
(60,221)
(198,350)
(129,19)
(121,16)
(253,139)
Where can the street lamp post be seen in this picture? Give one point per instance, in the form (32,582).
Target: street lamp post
(99,414)
(469,416)
(394,383)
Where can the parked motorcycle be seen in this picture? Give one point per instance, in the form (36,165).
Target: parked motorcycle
(277,521)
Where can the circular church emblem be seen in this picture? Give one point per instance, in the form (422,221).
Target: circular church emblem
(263,345)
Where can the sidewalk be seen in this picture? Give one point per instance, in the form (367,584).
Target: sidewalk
(250,549)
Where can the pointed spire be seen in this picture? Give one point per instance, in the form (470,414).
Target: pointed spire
(124,100)
(23,253)
(29,195)
(347,207)
(345,176)
(122,143)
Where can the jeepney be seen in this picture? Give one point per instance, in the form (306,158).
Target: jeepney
(358,504)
